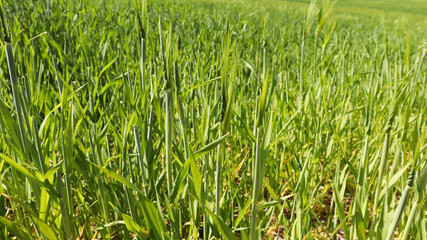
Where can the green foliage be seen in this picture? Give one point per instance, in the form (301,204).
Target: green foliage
(210,119)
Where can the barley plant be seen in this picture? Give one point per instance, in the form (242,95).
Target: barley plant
(143,119)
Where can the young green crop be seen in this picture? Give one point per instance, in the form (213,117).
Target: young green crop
(211,119)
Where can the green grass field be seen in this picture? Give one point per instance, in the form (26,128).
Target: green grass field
(415,9)
(213,119)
